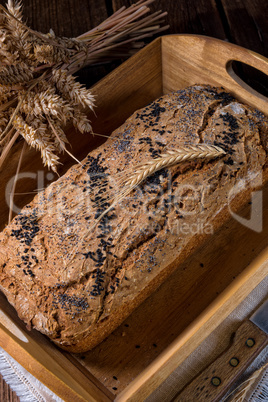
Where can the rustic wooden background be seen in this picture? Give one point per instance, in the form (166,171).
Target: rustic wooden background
(243,22)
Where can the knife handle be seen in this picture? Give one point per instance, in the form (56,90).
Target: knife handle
(214,381)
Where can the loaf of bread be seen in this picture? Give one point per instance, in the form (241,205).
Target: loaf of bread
(76,277)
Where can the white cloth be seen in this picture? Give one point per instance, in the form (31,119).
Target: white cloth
(27,387)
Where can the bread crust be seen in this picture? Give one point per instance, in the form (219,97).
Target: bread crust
(76,282)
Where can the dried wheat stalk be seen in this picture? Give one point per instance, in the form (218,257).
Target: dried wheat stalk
(128,183)
(38,93)
(170,158)
(242,391)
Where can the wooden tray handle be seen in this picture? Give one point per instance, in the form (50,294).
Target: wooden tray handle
(205,60)
(227,53)
(251,59)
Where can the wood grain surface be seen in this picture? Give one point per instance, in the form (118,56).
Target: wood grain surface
(6,394)
(243,22)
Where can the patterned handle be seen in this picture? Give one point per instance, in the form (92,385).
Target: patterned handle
(217,378)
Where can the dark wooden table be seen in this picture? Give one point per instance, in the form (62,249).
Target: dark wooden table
(243,22)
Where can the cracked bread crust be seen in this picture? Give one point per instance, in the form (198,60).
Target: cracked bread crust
(76,287)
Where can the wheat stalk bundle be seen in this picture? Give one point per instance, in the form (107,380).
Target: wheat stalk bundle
(38,92)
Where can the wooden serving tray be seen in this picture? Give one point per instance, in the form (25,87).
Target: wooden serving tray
(137,357)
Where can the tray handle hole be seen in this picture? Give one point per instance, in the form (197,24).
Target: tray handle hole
(248,77)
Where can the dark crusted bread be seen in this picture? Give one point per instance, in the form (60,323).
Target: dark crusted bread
(76,283)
